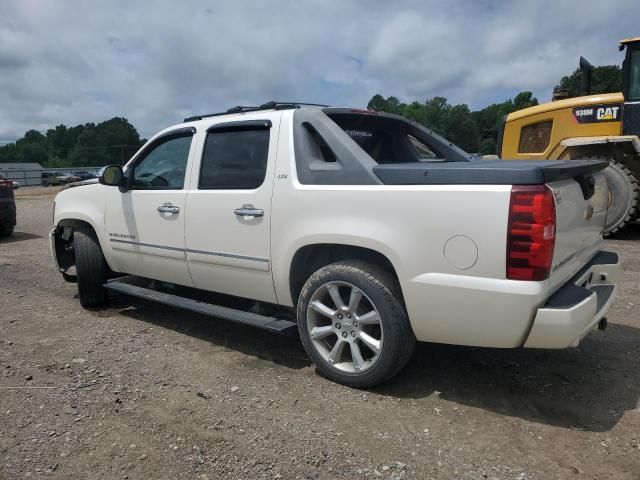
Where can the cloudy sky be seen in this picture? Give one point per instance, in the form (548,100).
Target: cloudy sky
(75,62)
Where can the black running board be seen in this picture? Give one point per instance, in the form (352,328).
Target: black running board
(271,324)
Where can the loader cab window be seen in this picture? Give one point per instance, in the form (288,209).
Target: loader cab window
(634,76)
(535,138)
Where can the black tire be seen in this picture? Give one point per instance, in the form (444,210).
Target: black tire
(91,268)
(383,291)
(6,230)
(624,197)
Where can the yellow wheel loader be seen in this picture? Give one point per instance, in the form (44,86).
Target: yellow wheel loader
(602,126)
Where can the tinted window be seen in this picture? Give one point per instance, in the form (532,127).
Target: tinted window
(377,143)
(164,166)
(634,77)
(235,159)
(388,139)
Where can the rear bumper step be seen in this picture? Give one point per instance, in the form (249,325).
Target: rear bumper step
(578,306)
(269,323)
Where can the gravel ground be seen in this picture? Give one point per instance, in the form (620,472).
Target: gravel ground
(141,391)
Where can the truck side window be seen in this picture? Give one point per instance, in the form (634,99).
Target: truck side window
(164,166)
(234,159)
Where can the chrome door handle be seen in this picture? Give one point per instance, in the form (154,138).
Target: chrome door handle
(249,212)
(168,208)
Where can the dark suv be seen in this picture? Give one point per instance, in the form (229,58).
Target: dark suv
(7,207)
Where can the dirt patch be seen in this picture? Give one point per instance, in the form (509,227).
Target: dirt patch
(142,391)
(27,192)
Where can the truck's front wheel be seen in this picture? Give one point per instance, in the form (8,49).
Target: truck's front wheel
(91,268)
(353,324)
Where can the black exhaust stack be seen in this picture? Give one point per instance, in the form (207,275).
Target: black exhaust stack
(585,80)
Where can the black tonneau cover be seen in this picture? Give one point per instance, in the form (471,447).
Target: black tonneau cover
(485,172)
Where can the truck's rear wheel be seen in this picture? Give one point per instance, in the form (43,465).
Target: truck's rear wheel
(353,324)
(624,196)
(91,268)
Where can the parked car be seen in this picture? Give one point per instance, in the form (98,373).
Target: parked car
(84,175)
(16,184)
(361,231)
(49,179)
(67,177)
(7,207)
(58,178)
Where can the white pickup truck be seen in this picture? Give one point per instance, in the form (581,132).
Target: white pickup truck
(362,231)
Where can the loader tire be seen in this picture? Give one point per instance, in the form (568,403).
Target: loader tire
(624,197)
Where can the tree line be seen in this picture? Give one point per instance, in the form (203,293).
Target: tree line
(477,131)
(116,140)
(110,142)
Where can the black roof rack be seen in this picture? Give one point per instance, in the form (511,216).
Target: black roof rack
(265,106)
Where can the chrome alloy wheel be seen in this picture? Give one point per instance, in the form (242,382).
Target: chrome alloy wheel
(344,327)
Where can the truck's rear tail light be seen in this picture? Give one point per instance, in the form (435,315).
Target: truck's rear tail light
(531,232)
(6,183)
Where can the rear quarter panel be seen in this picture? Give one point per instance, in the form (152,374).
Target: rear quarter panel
(411,225)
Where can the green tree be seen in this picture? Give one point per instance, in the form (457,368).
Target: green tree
(57,162)
(461,128)
(9,153)
(111,141)
(488,120)
(389,105)
(604,79)
(60,140)
(434,113)
(473,131)
(32,148)
(524,100)
(119,138)
(87,150)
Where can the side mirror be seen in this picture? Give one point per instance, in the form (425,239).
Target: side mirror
(111,175)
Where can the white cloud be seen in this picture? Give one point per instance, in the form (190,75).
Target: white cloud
(74,62)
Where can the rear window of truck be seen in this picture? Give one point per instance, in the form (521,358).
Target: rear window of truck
(387,140)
